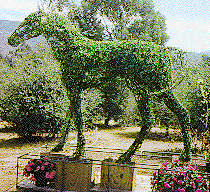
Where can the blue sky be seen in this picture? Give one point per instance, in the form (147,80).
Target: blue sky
(188,21)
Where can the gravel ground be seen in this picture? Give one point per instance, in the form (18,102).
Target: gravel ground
(11,146)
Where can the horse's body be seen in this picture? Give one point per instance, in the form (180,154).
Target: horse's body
(146,67)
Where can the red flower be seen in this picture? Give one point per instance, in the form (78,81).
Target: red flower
(33,179)
(193,185)
(162,172)
(205,181)
(180,182)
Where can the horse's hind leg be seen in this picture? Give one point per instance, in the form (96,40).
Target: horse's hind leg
(182,115)
(143,104)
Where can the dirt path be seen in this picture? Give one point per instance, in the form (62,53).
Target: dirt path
(11,146)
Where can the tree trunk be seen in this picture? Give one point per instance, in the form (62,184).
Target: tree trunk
(106,122)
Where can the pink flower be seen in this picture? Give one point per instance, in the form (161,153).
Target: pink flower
(47,175)
(193,185)
(200,178)
(28,169)
(46,158)
(33,179)
(190,167)
(47,163)
(176,161)
(52,173)
(205,181)
(31,164)
(199,190)
(24,174)
(38,168)
(40,161)
(52,165)
(183,173)
(186,178)
(166,185)
(174,179)
(180,182)
(162,172)
(42,168)
(165,164)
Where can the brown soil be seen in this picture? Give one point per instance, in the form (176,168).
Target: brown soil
(12,146)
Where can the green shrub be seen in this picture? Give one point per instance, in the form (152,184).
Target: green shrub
(32,98)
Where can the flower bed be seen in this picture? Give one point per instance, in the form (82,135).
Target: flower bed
(179,178)
(40,171)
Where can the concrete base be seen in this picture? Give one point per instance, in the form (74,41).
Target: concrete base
(142,185)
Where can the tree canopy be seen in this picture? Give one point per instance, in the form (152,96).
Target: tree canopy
(111,19)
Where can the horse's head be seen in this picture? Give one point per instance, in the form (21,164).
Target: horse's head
(29,28)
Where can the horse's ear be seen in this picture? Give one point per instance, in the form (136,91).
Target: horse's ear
(40,9)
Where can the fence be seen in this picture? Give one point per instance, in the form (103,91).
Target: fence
(146,162)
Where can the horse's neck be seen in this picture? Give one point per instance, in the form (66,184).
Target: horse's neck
(62,37)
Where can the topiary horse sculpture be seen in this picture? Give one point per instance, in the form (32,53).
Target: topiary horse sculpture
(145,67)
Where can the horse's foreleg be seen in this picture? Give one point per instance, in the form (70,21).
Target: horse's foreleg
(182,115)
(76,115)
(60,145)
(145,111)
